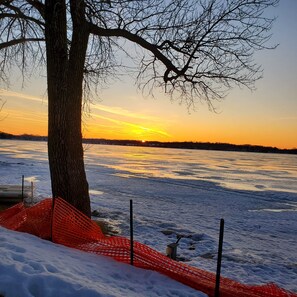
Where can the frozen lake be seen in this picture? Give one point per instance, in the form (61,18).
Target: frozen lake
(187,192)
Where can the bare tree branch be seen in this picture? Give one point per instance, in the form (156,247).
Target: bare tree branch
(197,48)
(21,36)
(192,48)
(38,5)
(136,39)
(18,41)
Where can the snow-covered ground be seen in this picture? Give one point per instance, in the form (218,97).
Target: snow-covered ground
(31,267)
(177,192)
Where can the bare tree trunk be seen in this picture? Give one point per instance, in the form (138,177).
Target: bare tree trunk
(65,77)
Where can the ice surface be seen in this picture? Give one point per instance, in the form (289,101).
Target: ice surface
(186,192)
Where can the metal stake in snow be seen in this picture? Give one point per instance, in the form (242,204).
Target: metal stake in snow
(220,251)
(23,179)
(131,233)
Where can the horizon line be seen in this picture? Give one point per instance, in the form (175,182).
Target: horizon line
(143,142)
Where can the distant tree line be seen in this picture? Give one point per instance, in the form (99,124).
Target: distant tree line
(4,135)
(177,145)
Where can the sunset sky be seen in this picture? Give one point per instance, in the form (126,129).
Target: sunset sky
(267,116)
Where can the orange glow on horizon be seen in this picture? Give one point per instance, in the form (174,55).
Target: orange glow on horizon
(30,123)
(118,123)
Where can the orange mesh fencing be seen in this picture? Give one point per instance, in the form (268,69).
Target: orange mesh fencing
(8,217)
(73,229)
(35,220)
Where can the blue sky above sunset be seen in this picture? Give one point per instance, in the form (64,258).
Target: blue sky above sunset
(266,116)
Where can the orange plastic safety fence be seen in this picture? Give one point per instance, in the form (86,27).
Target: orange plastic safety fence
(73,229)
(35,220)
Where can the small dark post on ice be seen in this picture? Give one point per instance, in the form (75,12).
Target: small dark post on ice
(23,181)
(131,233)
(220,251)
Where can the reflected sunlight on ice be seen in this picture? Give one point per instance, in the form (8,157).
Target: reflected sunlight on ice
(233,170)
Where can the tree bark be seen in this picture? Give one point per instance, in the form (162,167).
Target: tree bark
(65,78)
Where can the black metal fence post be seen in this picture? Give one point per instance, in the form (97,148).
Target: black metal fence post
(23,184)
(219,262)
(131,233)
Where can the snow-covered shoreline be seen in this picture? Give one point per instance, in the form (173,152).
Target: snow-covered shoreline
(30,266)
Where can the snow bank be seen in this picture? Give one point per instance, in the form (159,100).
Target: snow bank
(30,267)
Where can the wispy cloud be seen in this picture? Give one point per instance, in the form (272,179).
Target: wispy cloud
(27,116)
(8,93)
(288,118)
(122,112)
(97,108)
(139,127)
